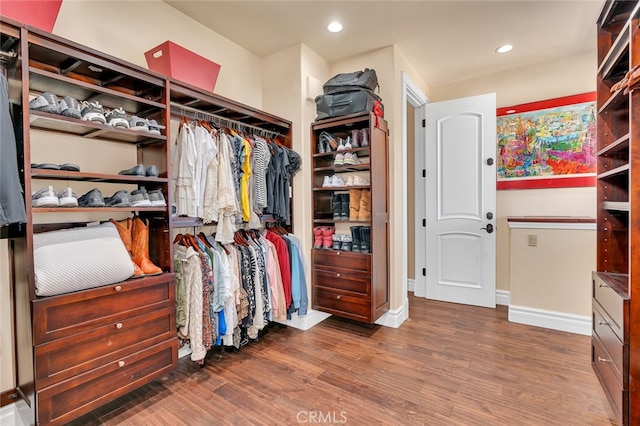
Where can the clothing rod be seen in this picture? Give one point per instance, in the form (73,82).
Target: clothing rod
(179,109)
(8,56)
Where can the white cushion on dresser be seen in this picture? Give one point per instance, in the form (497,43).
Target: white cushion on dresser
(79,258)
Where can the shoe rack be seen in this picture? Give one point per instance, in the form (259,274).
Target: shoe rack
(349,280)
(77,351)
(616,331)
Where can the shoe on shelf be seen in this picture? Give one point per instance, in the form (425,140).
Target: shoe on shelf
(337,241)
(317,237)
(117,118)
(351,159)
(327,236)
(154,128)
(120,198)
(346,242)
(151,171)
(341,146)
(69,167)
(137,123)
(92,198)
(337,181)
(45,166)
(326,183)
(339,160)
(67,198)
(137,170)
(349,181)
(45,197)
(156,198)
(360,181)
(69,107)
(347,143)
(140,198)
(93,111)
(331,142)
(46,102)
(355,138)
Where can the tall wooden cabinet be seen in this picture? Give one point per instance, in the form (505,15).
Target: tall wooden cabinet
(616,307)
(352,285)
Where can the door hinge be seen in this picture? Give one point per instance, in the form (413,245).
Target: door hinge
(424,223)
(424,172)
(424,122)
(424,272)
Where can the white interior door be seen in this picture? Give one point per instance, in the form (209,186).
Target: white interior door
(461,199)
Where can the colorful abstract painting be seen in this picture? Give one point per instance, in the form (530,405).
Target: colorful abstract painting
(555,141)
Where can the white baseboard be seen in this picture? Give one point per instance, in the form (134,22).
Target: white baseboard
(411,285)
(9,416)
(394,318)
(571,323)
(305,322)
(184,351)
(503,297)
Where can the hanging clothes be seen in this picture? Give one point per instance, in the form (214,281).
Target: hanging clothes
(12,207)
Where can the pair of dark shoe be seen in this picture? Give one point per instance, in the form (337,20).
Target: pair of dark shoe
(140,170)
(361,239)
(69,167)
(340,206)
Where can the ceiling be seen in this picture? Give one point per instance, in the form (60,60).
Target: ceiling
(445,41)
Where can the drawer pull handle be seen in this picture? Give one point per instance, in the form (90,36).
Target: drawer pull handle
(338,297)
(603,359)
(118,288)
(603,323)
(120,363)
(338,275)
(338,254)
(119,325)
(603,286)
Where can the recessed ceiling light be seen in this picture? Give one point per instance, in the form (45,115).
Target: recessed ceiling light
(335,27)
(504,48)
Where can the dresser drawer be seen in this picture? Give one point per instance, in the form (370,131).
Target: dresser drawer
(71,398)
(342,280)
(617,352)
(61,316)
(354,307)
(615,306)
(358,263)
(64,358)
(617,396)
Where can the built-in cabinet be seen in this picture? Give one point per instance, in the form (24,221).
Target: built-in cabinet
(616,330)
(345,283)
(79,350)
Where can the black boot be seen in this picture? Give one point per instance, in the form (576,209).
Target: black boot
(336,206)
(344,212)
(365,242)
(355,236)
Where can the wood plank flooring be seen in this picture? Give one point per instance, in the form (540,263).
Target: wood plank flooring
(447,365)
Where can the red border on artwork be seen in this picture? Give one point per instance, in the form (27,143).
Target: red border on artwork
(553,182)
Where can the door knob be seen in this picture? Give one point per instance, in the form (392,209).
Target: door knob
(488,228)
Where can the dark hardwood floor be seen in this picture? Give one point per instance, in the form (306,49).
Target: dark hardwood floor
(446,365)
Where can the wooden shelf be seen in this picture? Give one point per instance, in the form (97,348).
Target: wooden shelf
(321,221)
(161,209)
(615,101)
(46,81)
(617,206)
(344,169)
(89,129)
(615,11)
(617,146)
(617,53)
(333,153)
(624,169)
(93,177)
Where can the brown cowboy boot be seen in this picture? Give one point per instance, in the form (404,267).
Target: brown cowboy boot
(140,247)
(125,236)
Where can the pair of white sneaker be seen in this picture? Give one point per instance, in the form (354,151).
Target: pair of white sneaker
(346,159)
(355,180)
(333,181)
